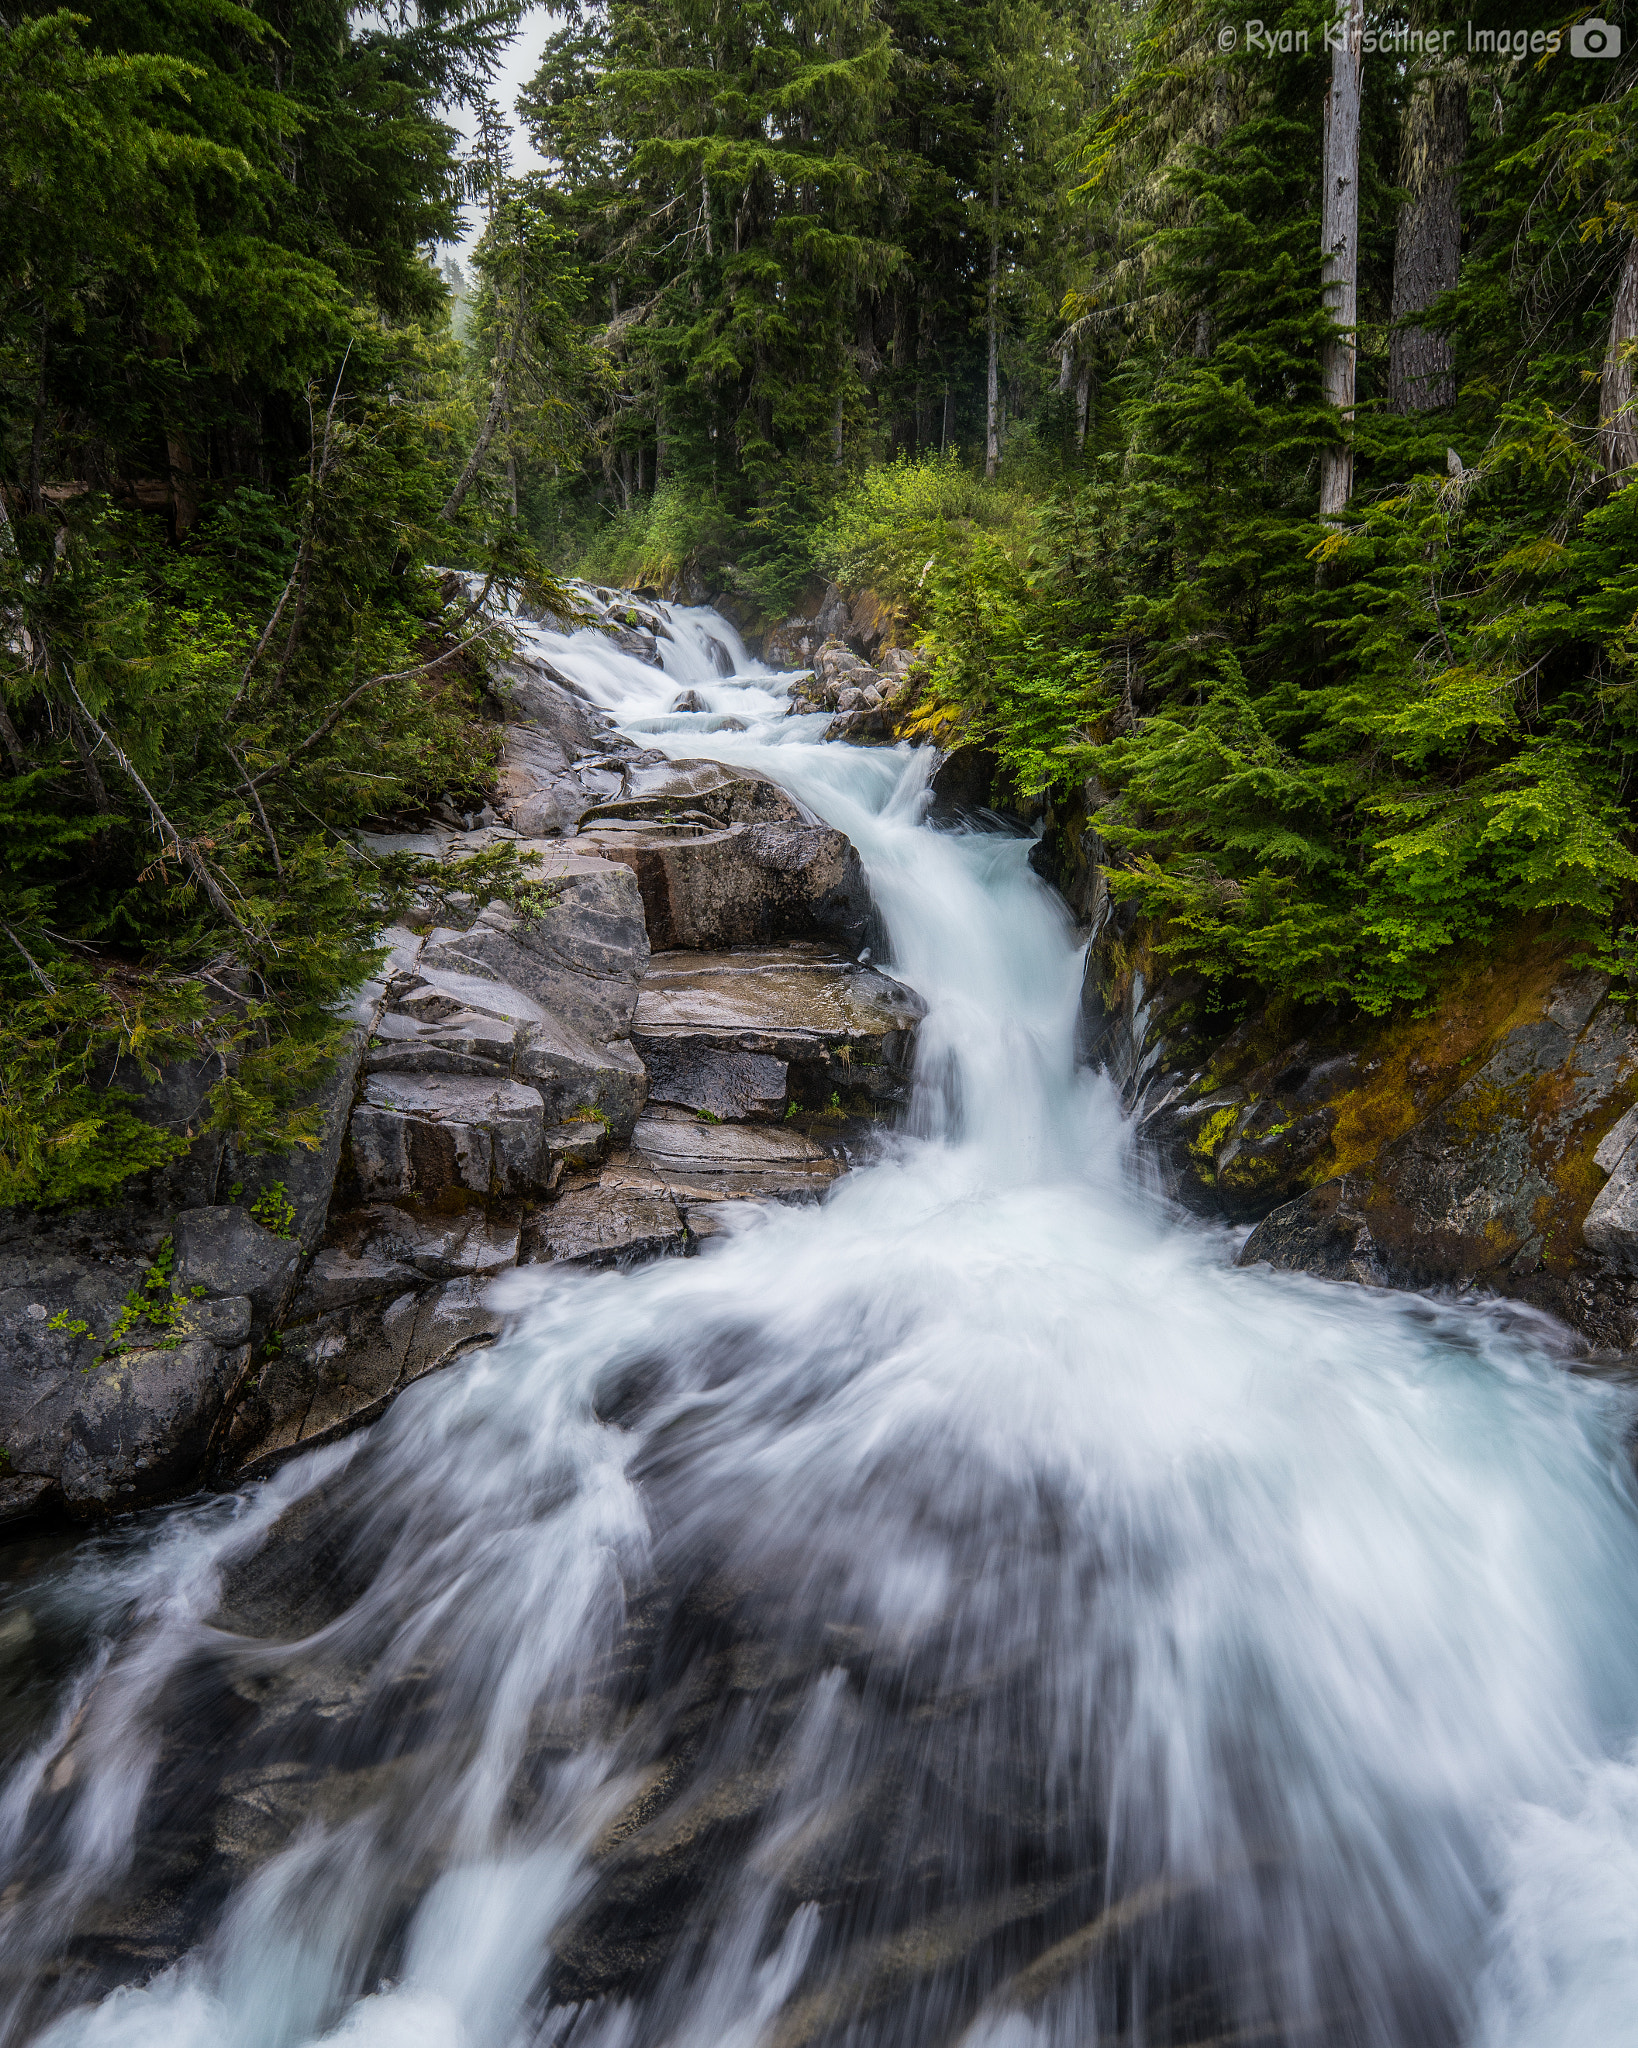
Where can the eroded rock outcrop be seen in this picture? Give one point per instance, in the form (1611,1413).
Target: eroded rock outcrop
(517,1087)
(1486,1143)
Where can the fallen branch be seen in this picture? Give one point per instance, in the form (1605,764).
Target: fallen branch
(184,849)
(402,675)
(304,559)
(497,410)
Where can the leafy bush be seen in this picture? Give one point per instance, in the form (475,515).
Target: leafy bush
(901,525)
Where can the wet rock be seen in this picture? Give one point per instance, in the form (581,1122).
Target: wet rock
(691,700)
(640,645)
(704,1162)
(143,1425)
(745,886)
(730,1085)
(628,1216)
(225,1251)
(426,1135)
(1323,1232)
(837,1028)
(964,780)
(862,726)
(335,1374)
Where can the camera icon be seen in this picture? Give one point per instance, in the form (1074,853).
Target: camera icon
(1595,38)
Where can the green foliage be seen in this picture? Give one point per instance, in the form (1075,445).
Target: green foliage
(1323,757)
(154,1305)
(231,416)
(274,1210)
(900,526)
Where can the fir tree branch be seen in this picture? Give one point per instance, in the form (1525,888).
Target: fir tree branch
(403,675)
(185,849)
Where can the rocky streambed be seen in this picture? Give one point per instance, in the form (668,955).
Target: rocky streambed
(690,1023)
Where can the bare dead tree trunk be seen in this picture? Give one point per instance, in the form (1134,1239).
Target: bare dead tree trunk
(1083,396)
(1339,243)
(1427,249)
(37,435)
(492,419)
(1617,416)
(992,311)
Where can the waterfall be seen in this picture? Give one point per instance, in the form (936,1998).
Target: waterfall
(970,1611)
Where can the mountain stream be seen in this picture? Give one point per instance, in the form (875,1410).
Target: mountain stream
(969,1611)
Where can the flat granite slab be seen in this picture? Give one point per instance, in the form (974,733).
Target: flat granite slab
(801,995)
(707,1162)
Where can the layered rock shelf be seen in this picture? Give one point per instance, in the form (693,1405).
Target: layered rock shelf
(682,1028)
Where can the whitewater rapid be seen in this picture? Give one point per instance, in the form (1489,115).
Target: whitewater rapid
(1130,1649)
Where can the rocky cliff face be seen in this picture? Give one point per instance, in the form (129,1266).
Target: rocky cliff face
(683,1026)
(1488,1144)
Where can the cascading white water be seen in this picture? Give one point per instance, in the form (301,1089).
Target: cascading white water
(1108,1645)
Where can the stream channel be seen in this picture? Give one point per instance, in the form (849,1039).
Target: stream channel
(968,1610)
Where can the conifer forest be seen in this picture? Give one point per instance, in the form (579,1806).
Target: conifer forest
(1240,412)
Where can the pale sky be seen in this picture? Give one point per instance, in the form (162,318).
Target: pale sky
(522,62)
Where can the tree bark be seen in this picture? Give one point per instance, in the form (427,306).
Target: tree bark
(1083,395)
(1339,243)
(992,382)
(992,320)
(1427,249)
(486,434)
(1617,416)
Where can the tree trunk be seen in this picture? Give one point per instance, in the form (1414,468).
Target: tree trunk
(492,419)
(1427,250)
(949,419)
(1339,243)
(992,384)
(1617,418)
(37,436)
(1083,395)
(659,447)
(836,435)
(992,312)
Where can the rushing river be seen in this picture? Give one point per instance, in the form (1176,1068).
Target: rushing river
(1058,1636)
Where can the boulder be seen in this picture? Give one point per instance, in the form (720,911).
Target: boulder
(744,886)
(627,1216)
(838,1028)
(225,1251)
(430,1135)
(143,1425)
(708,793)
(691,700)
(119,1354)
(1323,1232)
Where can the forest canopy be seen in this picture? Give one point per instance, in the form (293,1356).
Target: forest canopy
(1243,421)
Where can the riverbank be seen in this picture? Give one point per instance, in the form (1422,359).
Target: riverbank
(964,1610)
